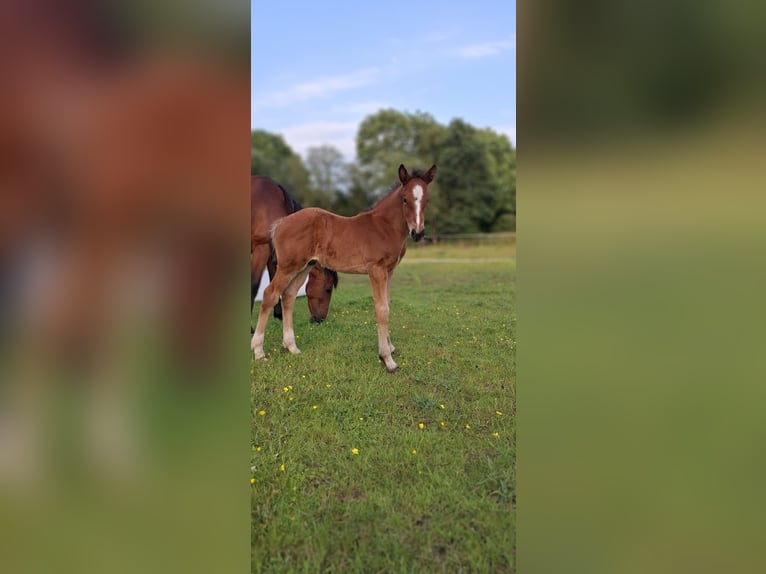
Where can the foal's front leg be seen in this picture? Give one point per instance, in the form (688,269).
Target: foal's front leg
(388,298)
(379,282)
(270,297)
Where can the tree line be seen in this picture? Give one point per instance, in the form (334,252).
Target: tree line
(475,190)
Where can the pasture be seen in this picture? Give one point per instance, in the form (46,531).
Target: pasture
(358,470)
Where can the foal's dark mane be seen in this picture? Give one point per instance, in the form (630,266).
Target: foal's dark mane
(415,173)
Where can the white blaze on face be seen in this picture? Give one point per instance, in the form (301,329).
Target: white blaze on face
(417,193)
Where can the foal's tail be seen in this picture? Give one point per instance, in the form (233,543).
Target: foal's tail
(272,231)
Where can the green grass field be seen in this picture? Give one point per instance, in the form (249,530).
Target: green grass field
(358,470)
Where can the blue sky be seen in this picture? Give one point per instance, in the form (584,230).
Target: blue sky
(318,68)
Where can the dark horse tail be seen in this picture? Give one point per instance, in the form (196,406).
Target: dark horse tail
(291,203)
(291,206)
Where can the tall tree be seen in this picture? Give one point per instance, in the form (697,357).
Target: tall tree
(388,138)
(358,196)
(270,155)
(476,179)
(328,175)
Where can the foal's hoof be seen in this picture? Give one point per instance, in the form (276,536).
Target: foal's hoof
(292,348)
(258,354)
(391,368)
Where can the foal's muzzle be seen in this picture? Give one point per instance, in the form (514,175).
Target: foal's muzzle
(317,318)
(417,235)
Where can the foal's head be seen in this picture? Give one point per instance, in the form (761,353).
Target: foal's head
(414,196)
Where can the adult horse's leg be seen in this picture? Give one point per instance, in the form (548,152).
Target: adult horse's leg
(288,303)
(379,282)
(271,265)
(258,258)
(270,297)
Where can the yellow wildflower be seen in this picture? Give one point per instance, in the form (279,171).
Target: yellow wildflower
(261,413)
(314,407)
(496,434)
(421,425)
(282,467)
(354,451)
(468,427)
(442,423)
(414,451)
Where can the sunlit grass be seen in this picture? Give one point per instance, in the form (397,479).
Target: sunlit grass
(489,246)
(358,470)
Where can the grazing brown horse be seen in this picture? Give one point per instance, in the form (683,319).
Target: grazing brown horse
(370,243)
(268,202)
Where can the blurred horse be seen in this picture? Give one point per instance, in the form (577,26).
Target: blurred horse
(122,174)
(268,202)
(370,243)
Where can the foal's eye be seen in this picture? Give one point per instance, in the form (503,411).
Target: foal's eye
(328,290)
(404,200)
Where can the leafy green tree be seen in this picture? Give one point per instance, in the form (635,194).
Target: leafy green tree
(476,186)
(357,197)
(388,138)
(502,166)
(328,175)
(476,179)
(270,155)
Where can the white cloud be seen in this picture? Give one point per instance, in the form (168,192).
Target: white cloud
(361,108)
(319,88)
(485,49)
(341,135)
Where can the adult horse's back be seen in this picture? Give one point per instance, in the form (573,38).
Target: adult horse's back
(269,201)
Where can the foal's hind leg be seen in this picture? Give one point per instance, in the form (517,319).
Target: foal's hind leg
(270,298)
(288,304)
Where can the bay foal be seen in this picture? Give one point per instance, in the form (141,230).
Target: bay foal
(370,243)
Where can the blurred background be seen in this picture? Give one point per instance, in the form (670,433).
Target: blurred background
(123,425)
(641,242)
(123,168)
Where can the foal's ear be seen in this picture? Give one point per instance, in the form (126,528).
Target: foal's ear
(430,174)
(404,176)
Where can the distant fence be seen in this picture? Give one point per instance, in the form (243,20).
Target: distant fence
(471,238)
